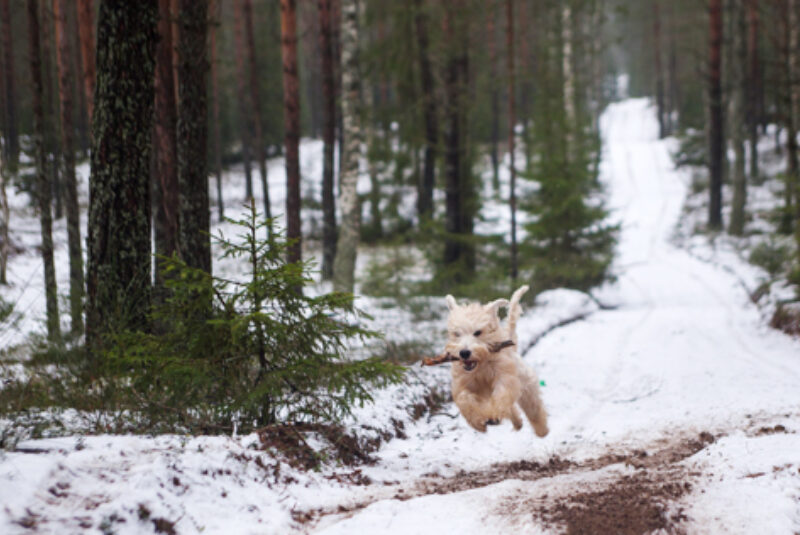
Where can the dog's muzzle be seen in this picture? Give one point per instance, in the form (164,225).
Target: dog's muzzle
(468,364)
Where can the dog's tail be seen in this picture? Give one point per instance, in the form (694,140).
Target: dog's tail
(514,311)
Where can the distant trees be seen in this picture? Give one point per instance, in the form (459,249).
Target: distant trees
(119,271)
(715,113)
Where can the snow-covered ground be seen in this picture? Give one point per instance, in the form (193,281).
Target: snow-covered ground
(679,395)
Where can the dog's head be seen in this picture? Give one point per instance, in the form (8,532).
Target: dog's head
(472,330)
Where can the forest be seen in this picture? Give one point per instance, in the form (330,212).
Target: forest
(240,218)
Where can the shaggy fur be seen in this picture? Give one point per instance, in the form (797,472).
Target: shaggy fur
(487,386)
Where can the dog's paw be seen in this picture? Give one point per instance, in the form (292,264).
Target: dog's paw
(493,421)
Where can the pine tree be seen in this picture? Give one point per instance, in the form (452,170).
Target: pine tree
(255,101)
(65,74)
(42,184)
(86,33)
(716,115)
(512,123)
(245,105)
(291,114)
(166,191)
(214,9)
(192,134)
(326,24)
(738,123)
(11,145)
(426,186)
(119,209)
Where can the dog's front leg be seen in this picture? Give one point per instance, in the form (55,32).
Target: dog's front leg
(505,393)
(472,409)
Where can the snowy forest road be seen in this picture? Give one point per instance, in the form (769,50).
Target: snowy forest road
(682,377)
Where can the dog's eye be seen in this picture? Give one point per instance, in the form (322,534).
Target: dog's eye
(476,333)
(455,334)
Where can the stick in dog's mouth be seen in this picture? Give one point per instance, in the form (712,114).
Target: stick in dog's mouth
(469,365)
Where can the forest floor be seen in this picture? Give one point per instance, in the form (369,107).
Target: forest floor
(674,408)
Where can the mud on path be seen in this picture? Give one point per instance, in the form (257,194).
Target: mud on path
(626,491)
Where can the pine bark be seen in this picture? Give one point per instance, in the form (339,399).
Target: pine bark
(167,203)
(347,244)
(192,131)
(63,55)
(214,8)
(425,188)
(494,96)
(43,197)
(119,271)
(793,113)
(260,152)
(245,104)
(11,146)
(86,34)
(458,250)
(716,145)
(291,106)
(329,139)
(512,119)
(52,140)
(753,85)
(4,220)
(738,119)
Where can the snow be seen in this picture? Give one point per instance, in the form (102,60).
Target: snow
(672,348)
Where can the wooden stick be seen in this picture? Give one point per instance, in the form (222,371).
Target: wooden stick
(447,357)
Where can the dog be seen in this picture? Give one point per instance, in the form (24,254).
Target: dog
(488,383)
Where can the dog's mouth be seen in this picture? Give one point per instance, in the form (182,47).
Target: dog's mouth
(469,365)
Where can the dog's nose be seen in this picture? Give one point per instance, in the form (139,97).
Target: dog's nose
(465,353)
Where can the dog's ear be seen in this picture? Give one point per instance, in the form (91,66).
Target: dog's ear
(496,305)
(451,302)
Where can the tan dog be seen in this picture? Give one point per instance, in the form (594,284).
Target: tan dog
(487,385)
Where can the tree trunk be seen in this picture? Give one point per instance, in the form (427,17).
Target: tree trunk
(167,235)
(245,106)
(738,119)
(52,125)
(716,145)
(458,250)
(215,12)
(494,95)
(260,152)
(793,113)
(425,188)
(752,85)
(86,33)
(291,115)
(193,133)
(674,90)
(119,271)
(68,157)
(4,223)
(512,119)
(662,127)
(347,244)
(42,184)
(329,139)
(11,135)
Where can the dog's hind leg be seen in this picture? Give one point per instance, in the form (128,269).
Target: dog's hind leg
(531,402)
(516,420)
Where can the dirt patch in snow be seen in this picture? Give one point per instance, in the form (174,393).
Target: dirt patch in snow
(630,504)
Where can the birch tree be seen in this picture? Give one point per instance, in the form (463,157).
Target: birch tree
(347,244)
